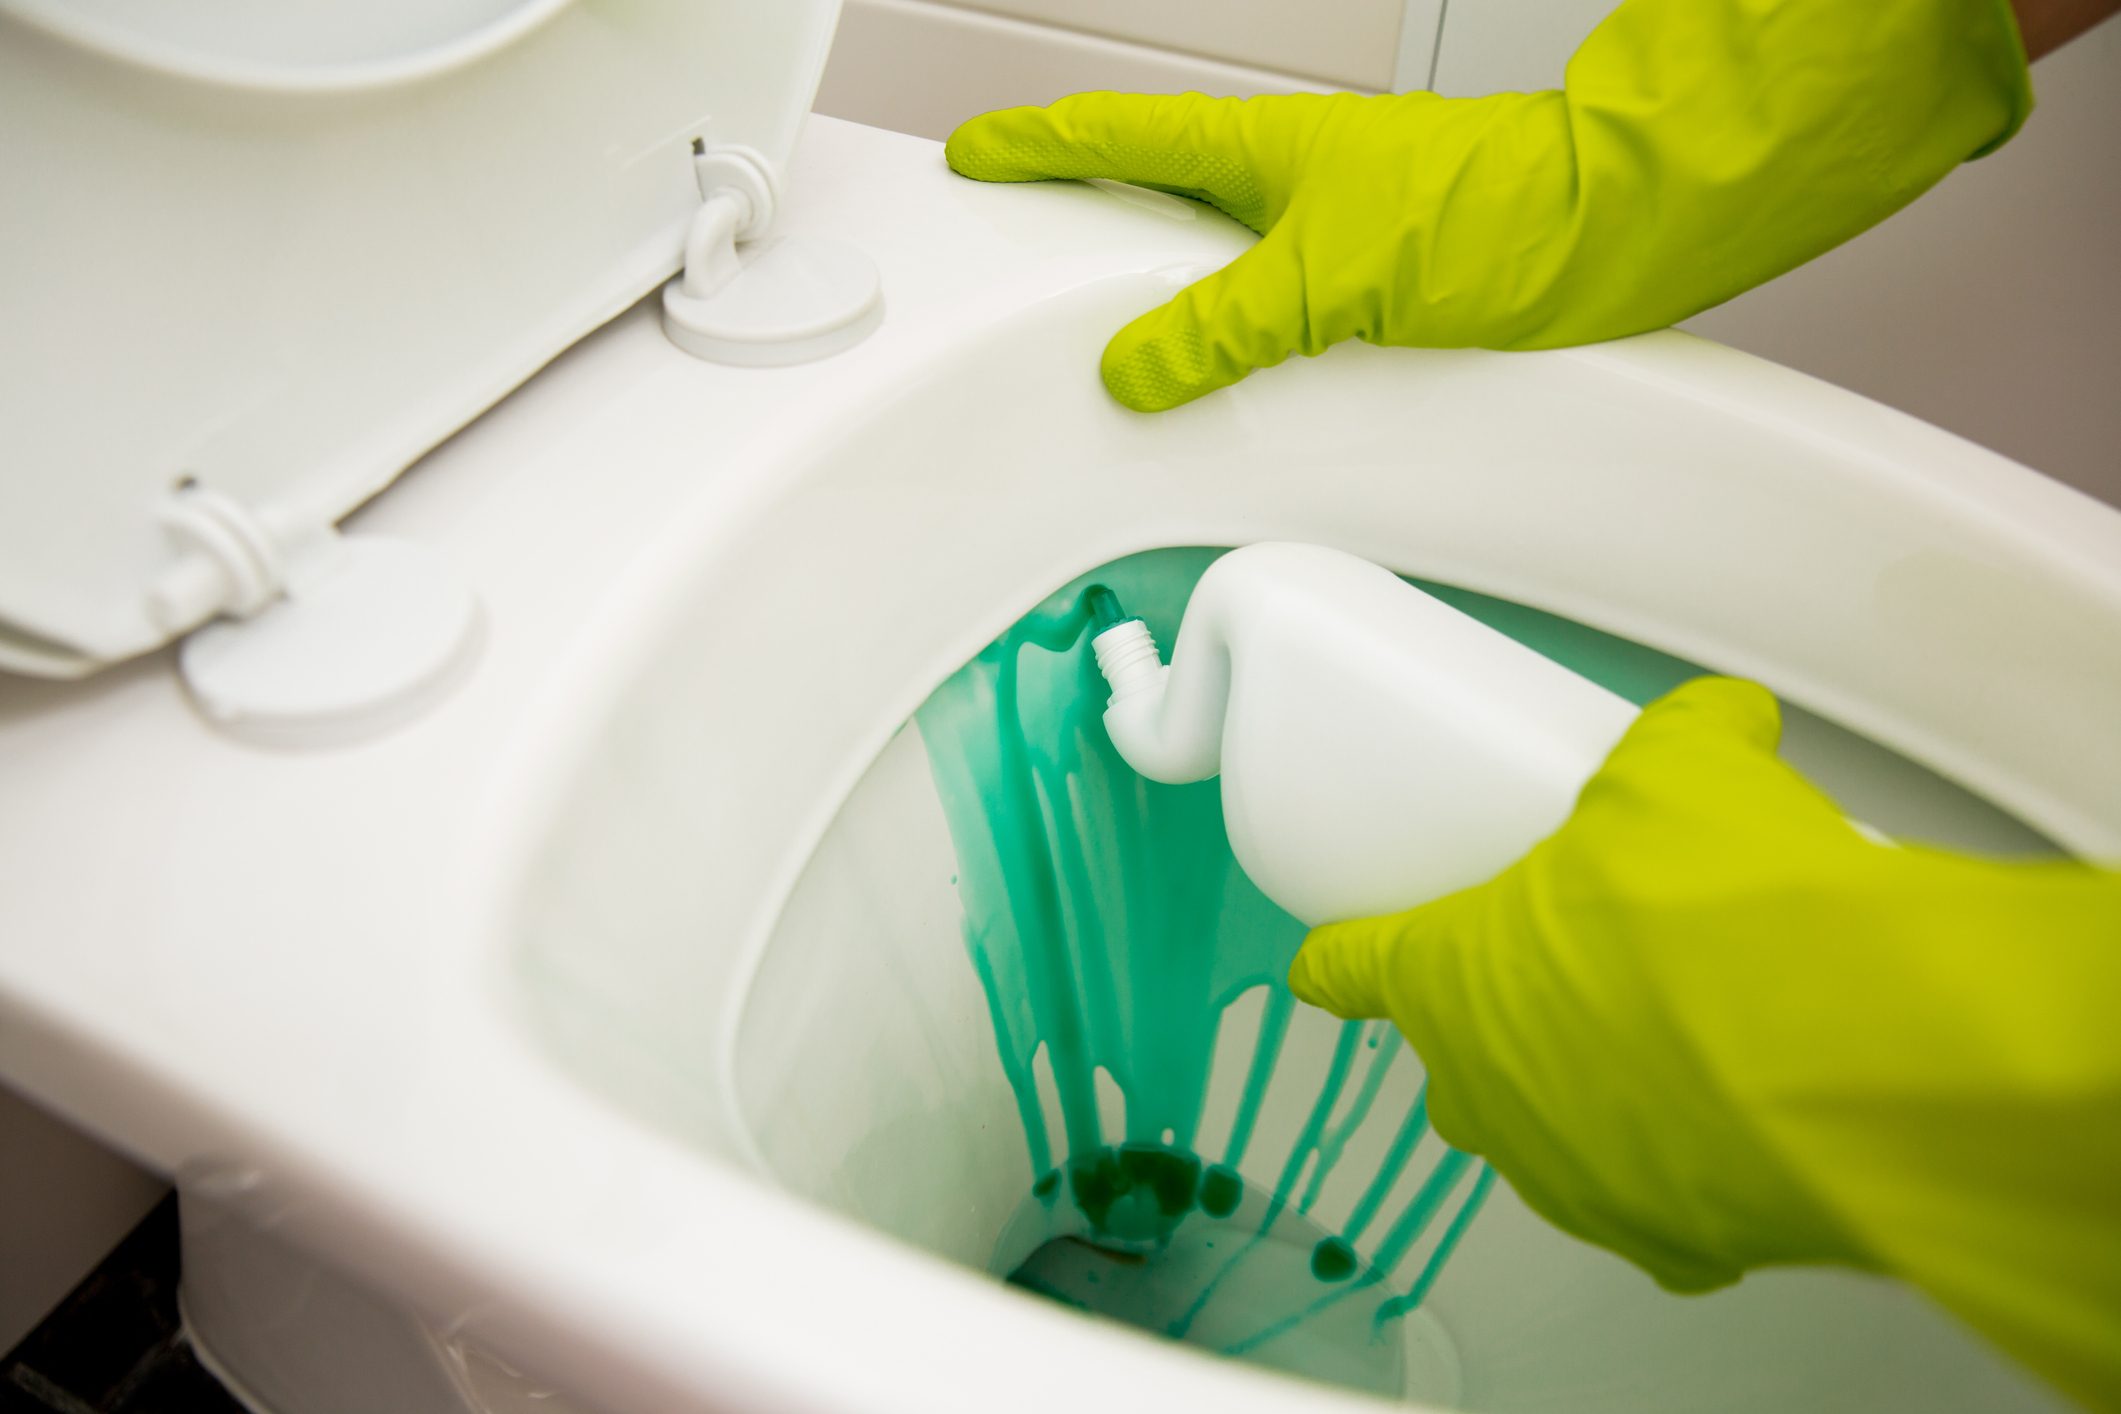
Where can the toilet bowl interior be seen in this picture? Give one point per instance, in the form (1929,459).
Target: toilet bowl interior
(888,1063)
(732,915)
(1066,1025)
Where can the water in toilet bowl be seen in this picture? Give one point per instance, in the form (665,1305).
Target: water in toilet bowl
(1255,1287)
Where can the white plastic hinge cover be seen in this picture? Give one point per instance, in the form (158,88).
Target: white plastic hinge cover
(774,301)
(313,638)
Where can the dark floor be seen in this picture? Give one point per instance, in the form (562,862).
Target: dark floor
(114,1346)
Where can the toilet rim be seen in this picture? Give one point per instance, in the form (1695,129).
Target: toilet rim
(447,1192)
(2028,517)
(2024,517)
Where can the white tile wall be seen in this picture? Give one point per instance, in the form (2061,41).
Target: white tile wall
(1503,46)
(1338,41)
(923,68)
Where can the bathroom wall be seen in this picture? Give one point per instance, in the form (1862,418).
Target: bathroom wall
(1992,307)
(65,1200)
(1344,42)
(919,67)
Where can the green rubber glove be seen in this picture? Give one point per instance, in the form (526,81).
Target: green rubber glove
(1709,1025)
(1699,148)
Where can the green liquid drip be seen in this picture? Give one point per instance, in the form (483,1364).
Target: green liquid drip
(1220,1192)
(1333,1260)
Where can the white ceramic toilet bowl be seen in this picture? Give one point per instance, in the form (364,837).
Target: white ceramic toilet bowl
(441,1035)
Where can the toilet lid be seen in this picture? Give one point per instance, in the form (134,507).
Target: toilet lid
(280,253)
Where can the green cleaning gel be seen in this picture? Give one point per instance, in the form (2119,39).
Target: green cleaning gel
(1210,1161)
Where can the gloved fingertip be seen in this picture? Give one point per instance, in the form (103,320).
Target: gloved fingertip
(961,148)
(981,148)
(1340,969)
(1152,372)
(1684,1277)
(1743,709)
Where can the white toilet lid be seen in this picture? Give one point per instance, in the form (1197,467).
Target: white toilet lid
(285,262)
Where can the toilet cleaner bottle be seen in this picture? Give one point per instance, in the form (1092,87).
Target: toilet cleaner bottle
(1378,749)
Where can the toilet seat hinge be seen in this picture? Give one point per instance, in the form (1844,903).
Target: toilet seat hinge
(302,636)
(739,198)
(777,302)
(238,561)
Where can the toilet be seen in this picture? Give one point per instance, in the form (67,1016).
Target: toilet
(467,818)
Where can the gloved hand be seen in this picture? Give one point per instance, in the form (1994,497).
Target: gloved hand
(1709,1025)
(1699,148)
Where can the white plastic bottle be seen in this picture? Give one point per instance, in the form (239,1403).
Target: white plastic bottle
(1378,749)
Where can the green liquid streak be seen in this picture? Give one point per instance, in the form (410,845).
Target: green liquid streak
(1331,1145)
(1021,1083)
(1334,1260)
(1423,1208)
(1448,1244)
(1105,915)
(1277,1329)
(1301,1152)
(1307,1142)
(1410,1134)
(1110,928)
(1273,1028)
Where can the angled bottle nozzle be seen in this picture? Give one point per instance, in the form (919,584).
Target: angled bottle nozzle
(1126,650)
(1172,749)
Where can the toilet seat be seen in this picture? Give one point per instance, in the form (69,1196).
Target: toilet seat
(327,988)
(281,254)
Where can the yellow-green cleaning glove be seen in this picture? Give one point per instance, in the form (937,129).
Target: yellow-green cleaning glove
(1699,148)
(1710,1026)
